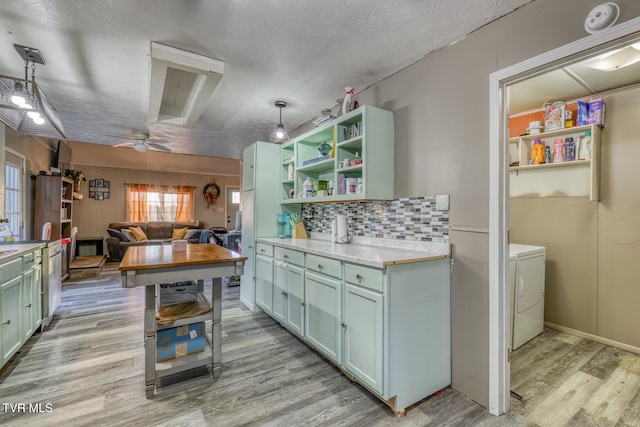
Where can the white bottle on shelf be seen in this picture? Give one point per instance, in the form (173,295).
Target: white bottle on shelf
(584,149)
(307,186)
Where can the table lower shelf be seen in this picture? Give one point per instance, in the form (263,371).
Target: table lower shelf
(190,361)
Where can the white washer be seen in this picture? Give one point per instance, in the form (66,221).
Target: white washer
(527,271)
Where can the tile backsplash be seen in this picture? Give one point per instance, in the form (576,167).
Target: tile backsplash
(403,219)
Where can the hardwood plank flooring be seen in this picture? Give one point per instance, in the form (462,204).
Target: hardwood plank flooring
(87,368)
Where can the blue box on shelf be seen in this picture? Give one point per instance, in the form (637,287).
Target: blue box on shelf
(180,341)
(315,160)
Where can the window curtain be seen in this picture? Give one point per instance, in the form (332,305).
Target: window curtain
(184,210)
(137,202)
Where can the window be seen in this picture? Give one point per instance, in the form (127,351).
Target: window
(13,193)
(235,197)
(159,203)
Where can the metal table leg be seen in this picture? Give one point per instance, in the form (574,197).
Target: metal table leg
(150,340)
(216,326)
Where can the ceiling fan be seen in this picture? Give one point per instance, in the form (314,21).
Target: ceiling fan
(141,142)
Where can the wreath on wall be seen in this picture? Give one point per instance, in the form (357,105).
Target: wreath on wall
(211,192)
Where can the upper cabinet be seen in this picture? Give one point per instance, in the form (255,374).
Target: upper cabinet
(579,177)
(348,158)
(249,168)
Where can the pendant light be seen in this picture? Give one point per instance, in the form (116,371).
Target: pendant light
(279,135)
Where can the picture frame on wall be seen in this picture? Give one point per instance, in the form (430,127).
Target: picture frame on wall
(92,183)
(99,183)
(92,194)
(106,194)
(106,184)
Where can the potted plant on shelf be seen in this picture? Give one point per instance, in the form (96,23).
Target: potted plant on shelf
(78,177)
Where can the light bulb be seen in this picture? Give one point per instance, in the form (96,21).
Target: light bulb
(25,106)
(33,114)
(38,120)
(18,100)
(280,134)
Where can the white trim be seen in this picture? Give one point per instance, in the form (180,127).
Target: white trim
(596,338)
(499,381)
(23,191)
(226,203)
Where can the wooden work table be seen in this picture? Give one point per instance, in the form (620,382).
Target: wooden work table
(152,265)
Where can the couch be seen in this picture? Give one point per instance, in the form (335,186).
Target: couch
(156,232)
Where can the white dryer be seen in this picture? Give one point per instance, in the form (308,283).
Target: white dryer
(527,288)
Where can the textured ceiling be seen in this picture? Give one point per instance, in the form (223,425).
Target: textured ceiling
(98,58)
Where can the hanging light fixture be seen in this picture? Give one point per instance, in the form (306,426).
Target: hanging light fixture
(279,135)
(23,105)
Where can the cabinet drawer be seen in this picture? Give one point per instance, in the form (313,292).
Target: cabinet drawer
(28,261)
(10,269)
(290,256)
(264,249)
(331,267)
(366,277)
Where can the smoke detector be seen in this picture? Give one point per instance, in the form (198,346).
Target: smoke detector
(601,17)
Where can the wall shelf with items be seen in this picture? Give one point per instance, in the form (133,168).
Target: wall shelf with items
(364,135)
(580,177)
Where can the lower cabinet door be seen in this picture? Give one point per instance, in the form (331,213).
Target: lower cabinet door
(323,312)
(27,306)
(10,302)
(264,283)
(363,335)
(280,291)
(295,299)
(36,300)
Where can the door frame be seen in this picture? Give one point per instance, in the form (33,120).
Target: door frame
(499,351)
(23,192)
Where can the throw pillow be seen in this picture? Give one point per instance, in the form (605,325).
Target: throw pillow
(138,233)
(192,234)
(129,235)
(117,234)
(178,233)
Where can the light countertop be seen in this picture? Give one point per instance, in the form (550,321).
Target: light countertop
(372,255)
(10,251)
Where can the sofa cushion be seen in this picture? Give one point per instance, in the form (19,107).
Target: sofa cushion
(129,235)
(117,234)
(159,229)
(178,233)
(138,233)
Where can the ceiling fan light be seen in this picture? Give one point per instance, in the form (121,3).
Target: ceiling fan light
(33,114)
(38,120)
(140,146)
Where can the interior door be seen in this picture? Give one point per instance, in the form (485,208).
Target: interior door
(232,205)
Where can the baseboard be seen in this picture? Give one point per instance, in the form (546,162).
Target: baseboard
(601,340)
(249,305)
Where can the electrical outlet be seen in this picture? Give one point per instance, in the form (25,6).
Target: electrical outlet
(442,202)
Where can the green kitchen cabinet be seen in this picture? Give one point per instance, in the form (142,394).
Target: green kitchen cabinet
(288,289)
(260,206)
(264,283)
(363,335)
(11,310)
(364,152)
(323,295)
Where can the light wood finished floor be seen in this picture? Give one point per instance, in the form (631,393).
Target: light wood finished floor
(87,369)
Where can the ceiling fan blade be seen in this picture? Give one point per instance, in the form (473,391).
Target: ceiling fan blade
(158,147)
(158,141)
(123,144)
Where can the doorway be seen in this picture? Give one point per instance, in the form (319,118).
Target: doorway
(231,207)
(15,200)
(588,47)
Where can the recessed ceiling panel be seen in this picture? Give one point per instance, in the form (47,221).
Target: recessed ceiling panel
(179,86)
